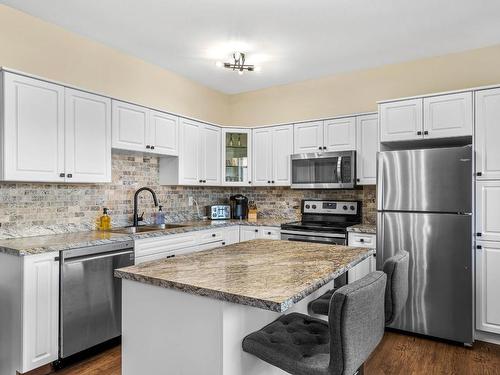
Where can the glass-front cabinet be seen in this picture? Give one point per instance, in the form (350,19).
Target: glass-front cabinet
(236,156)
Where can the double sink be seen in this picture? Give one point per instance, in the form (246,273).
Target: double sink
(145,228)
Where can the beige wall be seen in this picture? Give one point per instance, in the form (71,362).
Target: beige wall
(358,91)
(37,47)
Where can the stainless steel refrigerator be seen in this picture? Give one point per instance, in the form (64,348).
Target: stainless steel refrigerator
(424,203)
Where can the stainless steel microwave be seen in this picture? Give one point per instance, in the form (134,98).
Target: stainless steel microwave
(324,170)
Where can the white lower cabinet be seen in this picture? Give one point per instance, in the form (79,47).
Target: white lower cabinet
(366,266)
(488,286)
(40,310)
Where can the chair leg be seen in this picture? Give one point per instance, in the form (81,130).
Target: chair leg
(361,370)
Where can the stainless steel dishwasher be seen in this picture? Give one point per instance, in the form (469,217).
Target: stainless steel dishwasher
(90,296)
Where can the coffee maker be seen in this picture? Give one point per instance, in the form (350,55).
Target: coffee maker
(239,206)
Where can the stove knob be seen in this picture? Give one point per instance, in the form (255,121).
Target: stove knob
(352,208)
(345,207)
(307,206)
(314,206)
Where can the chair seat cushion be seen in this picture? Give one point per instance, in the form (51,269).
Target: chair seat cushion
(296,343)
(321,304)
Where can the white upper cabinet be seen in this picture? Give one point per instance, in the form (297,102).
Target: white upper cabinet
(282,148)
(488,210)
(487,287)
(190,153)
(236,156)
(340,134)
(401,120)
(262,156)
(33,130)
(130,124)
(163,133)
(88,137)
(487,134)
(272,147)
(448,115)
(308,137)
(366,150)
(210,156)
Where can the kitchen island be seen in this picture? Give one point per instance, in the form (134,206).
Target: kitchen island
(189,314)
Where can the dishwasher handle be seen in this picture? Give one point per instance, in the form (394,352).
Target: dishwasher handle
(85,258)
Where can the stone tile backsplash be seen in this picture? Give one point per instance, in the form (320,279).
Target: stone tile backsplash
(38,208)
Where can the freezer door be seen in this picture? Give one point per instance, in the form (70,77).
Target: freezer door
(431,180)
(440,299)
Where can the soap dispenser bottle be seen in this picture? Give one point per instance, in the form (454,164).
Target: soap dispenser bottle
(160,216)
(105,220)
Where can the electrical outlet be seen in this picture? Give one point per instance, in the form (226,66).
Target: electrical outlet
(190,201)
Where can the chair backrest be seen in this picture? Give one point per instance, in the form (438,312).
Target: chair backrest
(396,293)
(356,320)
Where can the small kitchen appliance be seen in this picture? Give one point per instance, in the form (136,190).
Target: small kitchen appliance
(239,206)
(219,212)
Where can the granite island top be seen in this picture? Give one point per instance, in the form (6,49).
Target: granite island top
(33,245)
(269,274)
(363,228)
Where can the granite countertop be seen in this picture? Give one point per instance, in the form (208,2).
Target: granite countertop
(33,245)
(363,228)
(268,274)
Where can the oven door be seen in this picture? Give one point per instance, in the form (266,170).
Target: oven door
(325,170)
(317,237)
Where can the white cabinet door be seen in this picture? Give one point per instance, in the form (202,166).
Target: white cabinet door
(488,210)
(40,310)
(210,161)
(269,233)
(231,235)
(282,148)
(366,149)
(129,128)
(401,120)
(360,270)
(189,153)
(340,134)
(488,134)
(262,156)
(308,137)
(163,133)
(448,115)
(248,233)
(88,137)
(488,287)
(33,130)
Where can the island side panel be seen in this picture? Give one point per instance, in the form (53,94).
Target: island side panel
(168,331)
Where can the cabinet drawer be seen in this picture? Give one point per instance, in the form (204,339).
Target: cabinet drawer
(362,240)
(270,233)
(149,246)
(213,235)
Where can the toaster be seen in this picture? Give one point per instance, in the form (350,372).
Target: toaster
(219,212)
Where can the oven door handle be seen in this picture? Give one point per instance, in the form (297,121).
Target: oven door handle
(315,234)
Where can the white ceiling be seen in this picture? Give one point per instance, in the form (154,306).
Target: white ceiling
(292,40)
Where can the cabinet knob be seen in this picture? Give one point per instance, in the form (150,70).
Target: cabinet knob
(200,181)
(357,180)
(426,132)
(268,182)
(479,174)
(256,230)
(269,233)
(479,247)
(419,133)
(62,175)
(479,234)
(148,146)
(361,240)
(321,148)
(213,234)
(205,181)
(249,182)
(324,147)
(152,147)
(69,175)
(272,182)
(223,243)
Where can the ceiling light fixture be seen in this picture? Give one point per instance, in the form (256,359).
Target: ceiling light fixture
(238,64)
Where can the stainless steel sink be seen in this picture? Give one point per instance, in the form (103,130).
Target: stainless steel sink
(146,228)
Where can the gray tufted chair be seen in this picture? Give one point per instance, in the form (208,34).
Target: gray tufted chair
(396,268)
(302,345)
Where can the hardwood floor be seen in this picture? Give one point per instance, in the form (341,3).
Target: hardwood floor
(396,354)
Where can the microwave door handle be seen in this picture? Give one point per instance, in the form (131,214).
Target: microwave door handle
(339,169)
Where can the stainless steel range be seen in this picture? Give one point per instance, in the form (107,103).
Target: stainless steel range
(323,221)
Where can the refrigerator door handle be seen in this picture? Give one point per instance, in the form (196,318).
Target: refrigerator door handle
(380,241)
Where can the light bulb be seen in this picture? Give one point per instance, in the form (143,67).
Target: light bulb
(240,72)
(219,64)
